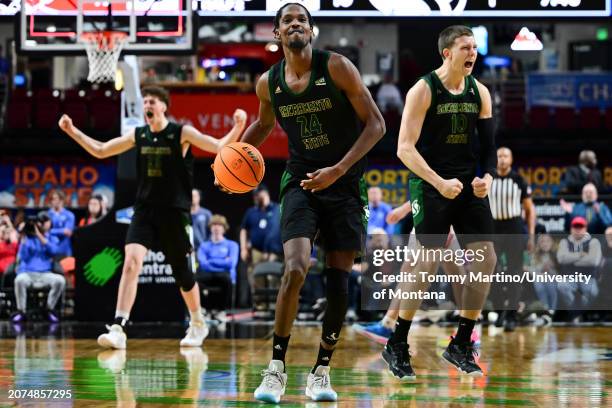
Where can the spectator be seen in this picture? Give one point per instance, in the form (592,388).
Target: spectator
(94,211)
(218,259)
(62,223)
(259,229)
(607,249)
(585,172)
(579,252)
(8,242)
(378,212)
(36,252)
(200,217)
(596,213)
(545,260)
(389,96)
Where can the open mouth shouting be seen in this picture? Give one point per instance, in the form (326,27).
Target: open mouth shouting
(469,64)
(149,114)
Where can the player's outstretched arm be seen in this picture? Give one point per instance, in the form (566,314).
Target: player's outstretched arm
(347,79)
(418,101)
(97,149)
(261,128)
(210,144)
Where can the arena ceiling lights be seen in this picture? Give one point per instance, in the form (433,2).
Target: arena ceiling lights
(412,8)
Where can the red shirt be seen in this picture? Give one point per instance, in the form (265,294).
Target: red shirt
(8,252)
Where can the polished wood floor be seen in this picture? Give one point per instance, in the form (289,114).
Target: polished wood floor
(544,367)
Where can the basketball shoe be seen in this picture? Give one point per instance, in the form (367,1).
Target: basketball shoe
(462,357)
(272,387)
(318,385)
(196,333)
(398,358)
(115,338)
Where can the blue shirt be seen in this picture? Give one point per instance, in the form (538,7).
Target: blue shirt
(60,221)
(219,256)
(596,222)
(263,226)
(378,218)
(33,256)
(200,221)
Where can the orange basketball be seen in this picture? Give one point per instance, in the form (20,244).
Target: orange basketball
(239,167)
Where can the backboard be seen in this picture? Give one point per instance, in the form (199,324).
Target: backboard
(153,26)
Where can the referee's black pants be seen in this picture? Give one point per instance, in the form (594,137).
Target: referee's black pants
(510,242)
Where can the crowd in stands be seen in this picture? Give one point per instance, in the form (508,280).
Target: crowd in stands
(33,250)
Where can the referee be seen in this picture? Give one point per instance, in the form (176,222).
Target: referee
(509,196)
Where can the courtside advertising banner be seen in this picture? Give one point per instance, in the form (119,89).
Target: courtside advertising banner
(27,183)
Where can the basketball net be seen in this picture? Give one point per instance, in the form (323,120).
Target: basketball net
(103,50)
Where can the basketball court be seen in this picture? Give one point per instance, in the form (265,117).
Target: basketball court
(530,367)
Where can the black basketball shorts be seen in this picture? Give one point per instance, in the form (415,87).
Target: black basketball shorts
(434,214)
(338,213)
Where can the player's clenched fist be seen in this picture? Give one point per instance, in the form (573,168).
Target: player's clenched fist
(65,123)
(450,188)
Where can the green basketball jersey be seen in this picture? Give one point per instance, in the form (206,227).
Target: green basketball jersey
(448,137)
(320,121)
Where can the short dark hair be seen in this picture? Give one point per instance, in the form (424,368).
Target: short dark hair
(447,37)
(279,13)
(158,92)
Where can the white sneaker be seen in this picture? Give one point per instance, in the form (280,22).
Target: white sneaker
(272,387)
(318,385)
(196,333)
(115,338)
(112,360)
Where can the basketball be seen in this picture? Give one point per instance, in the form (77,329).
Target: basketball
(239,167)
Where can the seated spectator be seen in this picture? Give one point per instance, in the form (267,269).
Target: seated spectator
(94,211)
(8,242)
(389,96)
(36,252)
(545,260)
(218,258)
(62,223)
(596,213)
(259,231)
(607,249)
(200,217)
(378,212)
(586,171)
(579,252)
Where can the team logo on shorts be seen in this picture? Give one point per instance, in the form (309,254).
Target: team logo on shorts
(366,212)
(416,208)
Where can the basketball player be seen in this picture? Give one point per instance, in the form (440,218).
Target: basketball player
(163,200)
(443,111)
(318,98)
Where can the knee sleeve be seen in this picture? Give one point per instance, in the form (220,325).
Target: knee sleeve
(337,303)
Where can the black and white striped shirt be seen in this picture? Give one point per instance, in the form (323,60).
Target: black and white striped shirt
(506,196)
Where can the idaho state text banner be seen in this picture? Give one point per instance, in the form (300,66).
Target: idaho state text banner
(212,115)
(28,184)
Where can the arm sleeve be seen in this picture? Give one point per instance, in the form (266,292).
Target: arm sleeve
(488,150)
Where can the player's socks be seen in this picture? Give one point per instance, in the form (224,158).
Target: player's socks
(279,348)
(323,358)
(400,334)
(464,331)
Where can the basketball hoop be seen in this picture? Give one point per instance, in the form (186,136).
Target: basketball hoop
(103,50)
